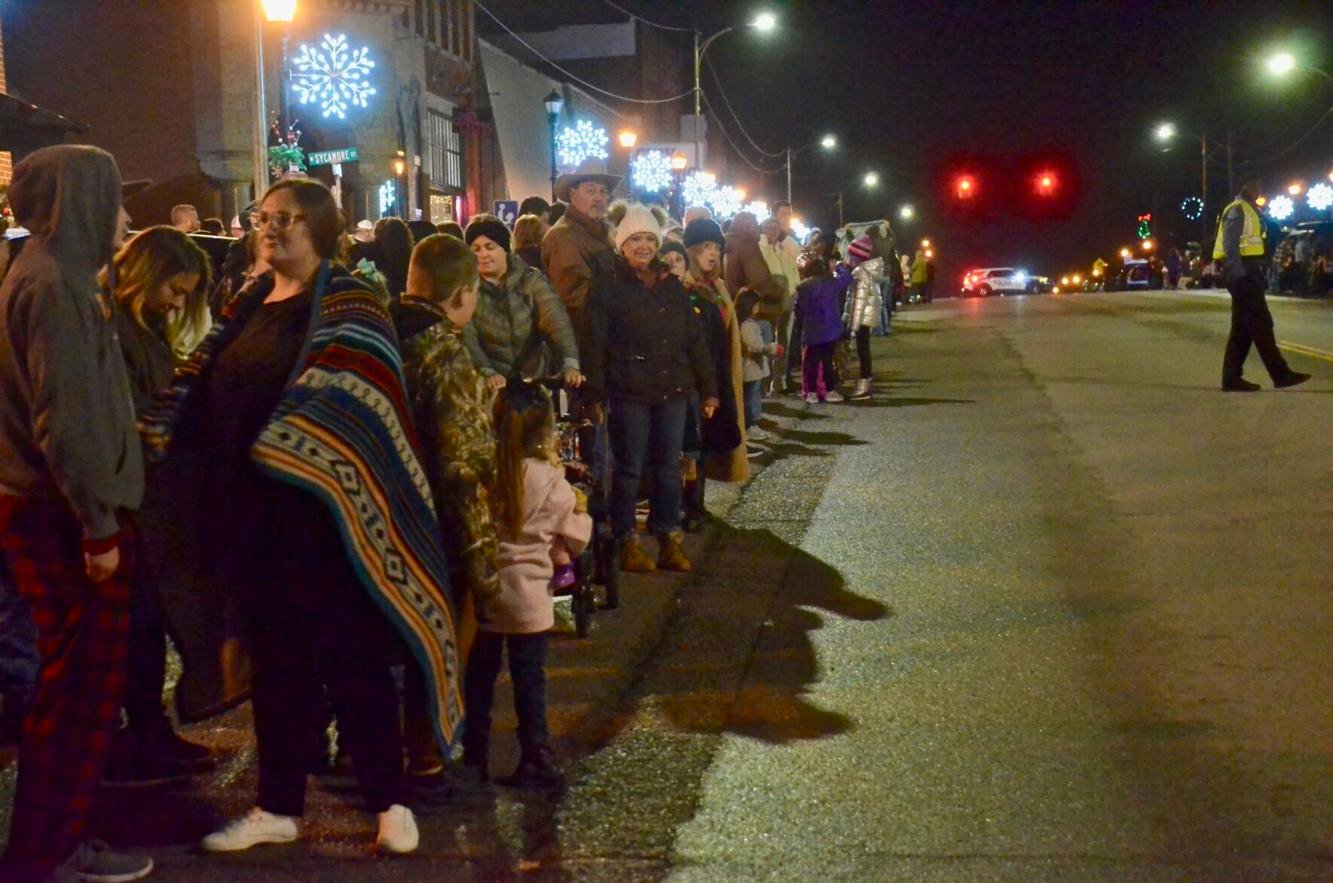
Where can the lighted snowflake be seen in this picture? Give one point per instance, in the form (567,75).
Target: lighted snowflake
(758,208)
(799,230)
(698,188)
(333,76)
(1320,197)
(726,201)
(1192,208)
(388,196)
(1280,208)
(651,171)
(580,141)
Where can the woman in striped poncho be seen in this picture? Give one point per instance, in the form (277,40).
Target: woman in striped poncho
(298,526)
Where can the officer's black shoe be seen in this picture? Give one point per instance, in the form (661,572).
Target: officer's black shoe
(1240,384)
(1293,378)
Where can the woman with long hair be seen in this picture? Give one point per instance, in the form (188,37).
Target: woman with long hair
(318,539)
(160,291)
(393,253)
(528,233)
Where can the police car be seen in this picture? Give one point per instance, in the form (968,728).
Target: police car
(994,280)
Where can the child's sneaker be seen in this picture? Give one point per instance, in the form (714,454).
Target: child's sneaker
(811,398)
(833,396)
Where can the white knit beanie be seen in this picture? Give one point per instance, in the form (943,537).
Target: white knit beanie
(638,219)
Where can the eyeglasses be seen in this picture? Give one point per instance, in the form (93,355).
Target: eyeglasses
(278,220)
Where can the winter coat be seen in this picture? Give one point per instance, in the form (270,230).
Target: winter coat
(755,350)
(524,605)
(66,418)
(576,251)
(818,306)
(745,267)
(919,268)
(865,299)
(644,345)
(532,256)
(781,259)
(149,362)
(723,437)
(449,406)
(520,317)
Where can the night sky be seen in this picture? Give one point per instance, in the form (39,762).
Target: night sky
(919,90)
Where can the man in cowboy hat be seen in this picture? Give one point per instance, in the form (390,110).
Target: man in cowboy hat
(577,249)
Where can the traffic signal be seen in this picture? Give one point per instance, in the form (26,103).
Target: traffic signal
(1046,183)
(965,187)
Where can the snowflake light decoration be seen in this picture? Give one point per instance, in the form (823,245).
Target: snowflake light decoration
(1192,208)
(698,188)
(580,141)
(388,194)
(332,76)
(1320,197)
(1280,208)
(726,202)
(799,230)
(651,171)
(758,208)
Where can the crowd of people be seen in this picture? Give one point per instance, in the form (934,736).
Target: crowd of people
(335,454)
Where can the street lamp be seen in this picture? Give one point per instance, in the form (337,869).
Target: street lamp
(267,11)
(871,180)
(1295,188)
(828,142)
(627,138)
(907,212)
(1167,131)
(763,22)
(282,11)
(554,103)
(1280,64)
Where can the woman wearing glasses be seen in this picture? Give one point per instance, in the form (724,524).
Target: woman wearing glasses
(293,489)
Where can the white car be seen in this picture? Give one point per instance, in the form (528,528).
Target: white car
(994,280)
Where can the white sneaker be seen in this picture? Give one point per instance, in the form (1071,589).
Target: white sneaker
(833,396)
(811,398)
(862,390)
(756,434)
(251,829)
(398,831)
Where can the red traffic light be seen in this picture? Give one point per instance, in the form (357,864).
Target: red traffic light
(965,187)
(1046,183)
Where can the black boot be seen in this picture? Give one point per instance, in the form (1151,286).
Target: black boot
(537,771)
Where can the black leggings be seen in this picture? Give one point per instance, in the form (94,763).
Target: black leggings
(863,350)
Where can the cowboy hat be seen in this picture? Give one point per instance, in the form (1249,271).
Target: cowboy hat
(589,170)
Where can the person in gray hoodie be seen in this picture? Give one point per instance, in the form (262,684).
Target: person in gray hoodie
(70,464)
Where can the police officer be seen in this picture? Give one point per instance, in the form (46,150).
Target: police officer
(1242,240)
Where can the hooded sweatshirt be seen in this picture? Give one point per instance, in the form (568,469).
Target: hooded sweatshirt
(66,419)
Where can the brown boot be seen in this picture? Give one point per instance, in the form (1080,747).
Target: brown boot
(672,554)
(632,557)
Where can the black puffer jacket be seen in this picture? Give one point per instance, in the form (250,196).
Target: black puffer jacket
(645,345)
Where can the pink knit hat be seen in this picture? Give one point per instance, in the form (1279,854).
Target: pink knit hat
(859,250)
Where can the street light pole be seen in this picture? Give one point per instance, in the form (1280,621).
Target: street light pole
(261,112)
(554,103)
(788,173)
(699,50)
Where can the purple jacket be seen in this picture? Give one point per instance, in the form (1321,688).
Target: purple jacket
(819,306)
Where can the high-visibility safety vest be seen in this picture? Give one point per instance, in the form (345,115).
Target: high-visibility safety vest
(1252,235)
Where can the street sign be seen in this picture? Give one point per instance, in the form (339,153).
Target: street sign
(506,210)
(331,157)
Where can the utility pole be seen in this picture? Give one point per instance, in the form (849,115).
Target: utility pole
(260,145)
(1203,149)
(697,95)
(788,173)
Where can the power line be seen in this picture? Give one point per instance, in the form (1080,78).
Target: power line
(727,101)
(575,77)
(735,146)
(1294,144)
(651,24)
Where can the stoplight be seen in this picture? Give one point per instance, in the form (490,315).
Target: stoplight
(1046,183)
(965,187)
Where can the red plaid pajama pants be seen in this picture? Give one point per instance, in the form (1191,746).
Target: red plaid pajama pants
(82,635)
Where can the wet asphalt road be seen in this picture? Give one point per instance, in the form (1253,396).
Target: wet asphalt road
(1050,607)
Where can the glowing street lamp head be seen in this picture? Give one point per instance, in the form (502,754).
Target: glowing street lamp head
(828,142)
(1281,63)
(279,10)
(765,21)
(906,212)
(627,138)
(1124,253)
(1147,245)
(1165,132)
(1295,188)
(679,162)
(871,179)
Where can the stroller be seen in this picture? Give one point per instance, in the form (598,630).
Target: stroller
(599,564)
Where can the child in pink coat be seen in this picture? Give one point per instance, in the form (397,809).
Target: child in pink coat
(541,520)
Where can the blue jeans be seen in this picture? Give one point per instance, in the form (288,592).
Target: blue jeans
(754,401)
(647,437)
(19,659)
(527,669)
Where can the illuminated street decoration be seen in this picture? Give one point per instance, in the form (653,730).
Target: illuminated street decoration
(580,141)
(651,171)
(758,208)
(388,195)
(1192,208)
(698,188)
(1280,208)
(802,232)
(332,76)
(1320,197)
(726,201)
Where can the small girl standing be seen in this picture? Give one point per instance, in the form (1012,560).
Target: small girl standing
(540,519)
(819,306)
(755,363)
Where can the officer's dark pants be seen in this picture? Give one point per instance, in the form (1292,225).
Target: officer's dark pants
(1251,323)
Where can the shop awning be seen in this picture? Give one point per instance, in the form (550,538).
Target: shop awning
(25,127)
